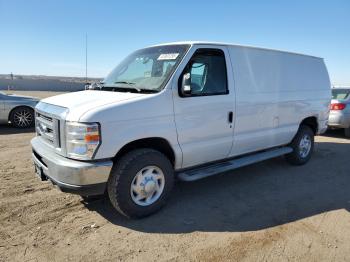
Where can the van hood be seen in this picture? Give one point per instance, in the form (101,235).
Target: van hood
(78,103)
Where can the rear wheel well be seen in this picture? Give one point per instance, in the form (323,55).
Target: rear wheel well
(156,143)
(311,122)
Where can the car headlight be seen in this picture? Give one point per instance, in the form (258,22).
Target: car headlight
(82,140)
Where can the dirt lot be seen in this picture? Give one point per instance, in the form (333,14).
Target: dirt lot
(265,212)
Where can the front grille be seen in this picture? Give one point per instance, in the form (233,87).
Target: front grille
(48,128)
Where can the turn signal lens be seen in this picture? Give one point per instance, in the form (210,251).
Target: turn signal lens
(92,138)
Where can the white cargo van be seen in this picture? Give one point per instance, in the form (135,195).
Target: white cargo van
(182,110)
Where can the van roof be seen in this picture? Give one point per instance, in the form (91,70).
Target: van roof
(229,44)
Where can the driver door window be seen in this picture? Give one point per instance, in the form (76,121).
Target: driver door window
(198,77)
(207,68)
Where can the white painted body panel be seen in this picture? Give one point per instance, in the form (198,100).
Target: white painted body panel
(270,93)
(204,133)
(275,91)
(122,122)
(81,102)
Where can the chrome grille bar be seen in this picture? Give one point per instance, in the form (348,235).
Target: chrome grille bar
(48,128)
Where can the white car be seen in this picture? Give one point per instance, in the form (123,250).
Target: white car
(182,110)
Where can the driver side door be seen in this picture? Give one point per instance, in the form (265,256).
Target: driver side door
(204,118)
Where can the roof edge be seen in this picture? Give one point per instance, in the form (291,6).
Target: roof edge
(235,45)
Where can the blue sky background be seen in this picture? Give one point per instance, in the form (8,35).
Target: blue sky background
(48,37)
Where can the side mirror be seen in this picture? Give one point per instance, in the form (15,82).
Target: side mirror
(186,85)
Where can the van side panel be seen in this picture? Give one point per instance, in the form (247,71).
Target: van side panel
(275,91)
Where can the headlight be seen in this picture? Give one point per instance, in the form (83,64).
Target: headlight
(82,140)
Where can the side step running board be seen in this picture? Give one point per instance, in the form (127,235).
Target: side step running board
(202,172)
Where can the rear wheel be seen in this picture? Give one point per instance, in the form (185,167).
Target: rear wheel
(303,145)
(140,182)
(22,117)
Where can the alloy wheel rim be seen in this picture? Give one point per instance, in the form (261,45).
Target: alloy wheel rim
(305,146)
(23,118)
(147,186)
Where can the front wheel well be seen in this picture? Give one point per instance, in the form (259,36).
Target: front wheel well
(13,109)
(311,122)
(156,143)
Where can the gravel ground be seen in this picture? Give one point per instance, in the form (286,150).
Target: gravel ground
(269,211)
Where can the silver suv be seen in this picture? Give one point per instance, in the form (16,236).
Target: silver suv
(339,116)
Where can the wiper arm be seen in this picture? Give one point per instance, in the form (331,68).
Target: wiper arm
(139,90)
(149,91)
(118,88)
(134,87)
(129,83)
(125,82)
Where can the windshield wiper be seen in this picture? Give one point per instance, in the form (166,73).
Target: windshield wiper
(148,91)
(129,88)
(125,82)
(129,83)
(120,89)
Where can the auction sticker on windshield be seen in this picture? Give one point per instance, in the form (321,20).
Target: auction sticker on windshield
(170,56)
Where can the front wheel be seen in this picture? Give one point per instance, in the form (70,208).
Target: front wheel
(303,145)
(140,182)
(22,117)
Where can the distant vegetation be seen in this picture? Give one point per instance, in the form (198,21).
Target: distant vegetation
(43,83)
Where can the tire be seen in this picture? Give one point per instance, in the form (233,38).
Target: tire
(22,117)
(133,171)
(301,152)
(347,132)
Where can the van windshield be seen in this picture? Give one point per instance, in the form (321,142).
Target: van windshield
(146,70)
(340,93)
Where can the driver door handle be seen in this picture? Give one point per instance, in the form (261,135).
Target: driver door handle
(230,117)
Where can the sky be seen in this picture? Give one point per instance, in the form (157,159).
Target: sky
(48,37)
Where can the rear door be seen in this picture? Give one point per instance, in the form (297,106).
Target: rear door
(204,120)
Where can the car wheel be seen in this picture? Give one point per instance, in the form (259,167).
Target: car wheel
(22,117)
(140,182)
(303,145)
(347,132)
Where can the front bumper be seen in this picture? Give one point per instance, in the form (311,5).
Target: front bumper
(78,177)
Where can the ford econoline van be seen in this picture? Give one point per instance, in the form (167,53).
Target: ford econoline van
(180,111)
